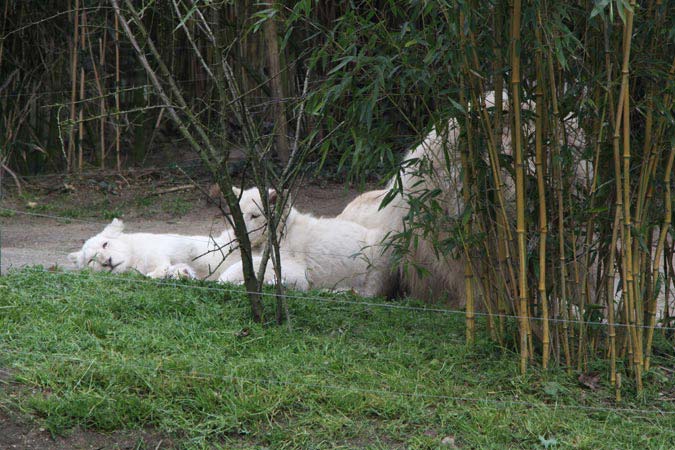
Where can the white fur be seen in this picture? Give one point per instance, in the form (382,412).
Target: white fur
(318,252)
(155,255)
(293,273)
(424,168)
(434,164)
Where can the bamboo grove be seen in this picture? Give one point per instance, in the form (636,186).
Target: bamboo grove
(567,176)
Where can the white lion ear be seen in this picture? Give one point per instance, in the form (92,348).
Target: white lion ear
(74,257)
(272,196)
(115,227)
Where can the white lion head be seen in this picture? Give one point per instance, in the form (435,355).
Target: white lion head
(105,252)
(254,213)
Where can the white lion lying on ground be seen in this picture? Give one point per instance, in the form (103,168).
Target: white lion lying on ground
(156,255)
(317,252)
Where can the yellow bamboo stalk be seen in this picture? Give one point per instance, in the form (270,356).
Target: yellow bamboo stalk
(494,136)
(468,272)
(667,220)
(543,227)
(610,265)
(623,118)
(633,298)
(502,243)
(520,183)
(558,183)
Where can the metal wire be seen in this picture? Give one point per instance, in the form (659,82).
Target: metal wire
(395,306)
(361,390)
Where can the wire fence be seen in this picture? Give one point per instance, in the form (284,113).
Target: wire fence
(331,299)
(337,300)
(373,390)
(211,239)
(160,367)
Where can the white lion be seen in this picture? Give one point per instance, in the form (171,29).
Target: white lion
(156,255)
(317,252)
(434,165)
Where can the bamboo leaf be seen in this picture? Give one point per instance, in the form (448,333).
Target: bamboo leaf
(262,17)
(599,8)
(186,17)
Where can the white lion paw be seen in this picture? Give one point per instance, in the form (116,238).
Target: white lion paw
(233,275)
(180,271)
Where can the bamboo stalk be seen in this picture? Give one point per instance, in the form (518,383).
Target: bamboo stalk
(468,272)
(4,23)
(73,88)
(102,48)
(622,118)
(118,158)
(497,134)
(633,298)
(667,220)
(520,183)
(99,88)
(610,265)
(558,184)
(543,226)
(274,63)
(80,136)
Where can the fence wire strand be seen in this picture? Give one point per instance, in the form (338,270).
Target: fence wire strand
(356,389)
(394,306)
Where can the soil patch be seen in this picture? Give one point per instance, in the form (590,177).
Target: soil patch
(149,201)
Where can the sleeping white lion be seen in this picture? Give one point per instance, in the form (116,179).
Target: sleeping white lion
(156,255)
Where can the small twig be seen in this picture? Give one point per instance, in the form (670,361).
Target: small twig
(184,187)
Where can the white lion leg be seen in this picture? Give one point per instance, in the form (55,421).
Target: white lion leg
(181,271)
(159,272)
(293,274)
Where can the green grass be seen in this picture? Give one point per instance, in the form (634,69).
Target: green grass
(123,353)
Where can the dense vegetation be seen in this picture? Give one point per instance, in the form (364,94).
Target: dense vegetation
(560,248)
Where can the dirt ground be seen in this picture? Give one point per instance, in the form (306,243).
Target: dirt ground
(31,238)
(150,201)
(16,433)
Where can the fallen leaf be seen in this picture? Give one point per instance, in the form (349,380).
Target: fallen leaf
(448,441)
(590,380)
(243,332)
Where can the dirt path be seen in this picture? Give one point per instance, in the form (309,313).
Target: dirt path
(36,240)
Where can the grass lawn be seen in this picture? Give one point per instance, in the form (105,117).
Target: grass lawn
(95,352)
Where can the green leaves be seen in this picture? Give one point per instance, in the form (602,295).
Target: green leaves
(261,17)
(599,8)
(623,6)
